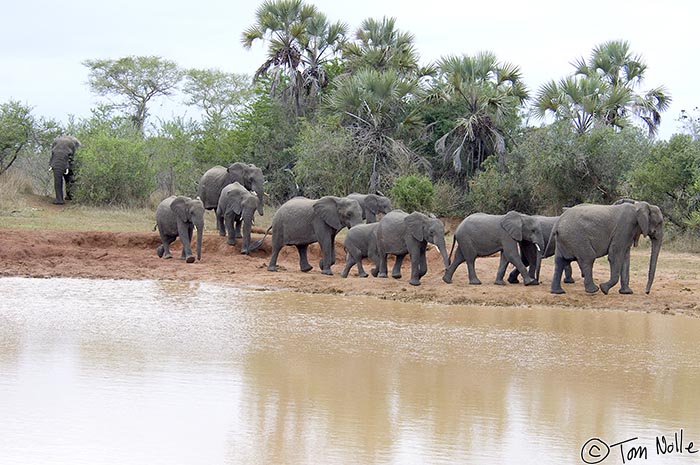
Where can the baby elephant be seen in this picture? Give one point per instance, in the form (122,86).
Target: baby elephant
(361,242)
(236,206)
(178,216)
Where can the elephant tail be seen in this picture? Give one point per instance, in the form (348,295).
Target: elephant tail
(256,245)
(452,249)
(155,226)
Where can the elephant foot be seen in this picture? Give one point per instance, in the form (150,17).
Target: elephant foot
(231,242)
(500,282)
(306,268)
(160,251)
(593,289)
(245,252)
(222,233)
(396,276)
(167,255)
(57,202)
(569,280)
(557,290)
(343,274)
(374,272)
(532,282)
(626,290)
(414,282)
(475,282)
(272,268)
(363,275)
(605,287)
(447,279)
(190,259)
(381,275)
(326,272)
(513,279)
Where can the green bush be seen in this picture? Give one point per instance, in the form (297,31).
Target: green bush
(113,170)
(413,193)
(497,191)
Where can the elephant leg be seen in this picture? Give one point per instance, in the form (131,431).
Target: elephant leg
(238,228)
(415,269)
(513,276)
(568,274)
(396,271)
(382,265)
(423,263)
(328,254)
(58,187)
(616,264)
(625,275)
(304,264)
(70,183)
(449,272)
(163,250)
(186,239)
(559,264)
(587,272)
(349,262)
(510,254)
(473,278)
(221,223)
(229,229)
(500,273)
(276,247)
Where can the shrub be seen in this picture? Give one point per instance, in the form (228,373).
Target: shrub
(413,193)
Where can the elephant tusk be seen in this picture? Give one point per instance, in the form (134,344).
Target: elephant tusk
(538,248)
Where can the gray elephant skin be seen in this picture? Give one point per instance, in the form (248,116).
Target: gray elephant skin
(301,221)
(400,233)
(62,164)
(586,232)
(177,216)
(361,242)
(481,234)
(528,252)
(216,178)
(236,209)
(372,205)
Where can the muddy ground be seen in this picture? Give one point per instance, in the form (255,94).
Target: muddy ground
(131,255)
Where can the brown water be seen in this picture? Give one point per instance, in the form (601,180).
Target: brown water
(121,372)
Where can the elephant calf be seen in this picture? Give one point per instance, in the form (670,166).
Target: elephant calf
(372,205)
(399,233)
(178,216)
(236,207)
(361,242)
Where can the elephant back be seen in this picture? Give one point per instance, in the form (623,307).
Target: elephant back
(210,186)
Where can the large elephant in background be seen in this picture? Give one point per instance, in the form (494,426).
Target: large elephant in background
(217,177)
(236,208)
(586,232)
(372,205)
(62,164)
(301,221)
(481,234)
(400,233)
(178,216)
(528,252)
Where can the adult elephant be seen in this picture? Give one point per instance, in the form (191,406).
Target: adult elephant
(586,232)
(481,234)
(216,178)
(400,233)
(62,164)
(361,242)
(372,205)
(528,252)
(177,216)
(301,221)
(236,208)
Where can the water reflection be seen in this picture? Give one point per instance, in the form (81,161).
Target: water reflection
(162,372)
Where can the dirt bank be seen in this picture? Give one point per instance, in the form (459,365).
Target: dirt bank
(131,255)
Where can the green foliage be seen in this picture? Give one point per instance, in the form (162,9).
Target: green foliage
(113,168)
(328,162)
(173,158)
(16,130)
(564,168)
(670,178)
(413,193)
(498,191)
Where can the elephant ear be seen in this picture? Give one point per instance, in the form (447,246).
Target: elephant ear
(327,209)
(235,200)
(417,225)
(372,203)
(179,207)
(643,212)
(513,224)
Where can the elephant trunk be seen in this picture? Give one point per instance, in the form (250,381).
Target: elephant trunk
(655,248)
(443,251)
(200,233)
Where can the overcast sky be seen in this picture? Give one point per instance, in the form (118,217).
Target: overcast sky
(44,42)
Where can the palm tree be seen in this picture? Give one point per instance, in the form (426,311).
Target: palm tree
(603,89)
(487,96)
(301,41)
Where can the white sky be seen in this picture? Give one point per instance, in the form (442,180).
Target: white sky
(43,42)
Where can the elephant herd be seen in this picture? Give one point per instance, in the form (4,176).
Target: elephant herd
(581,233)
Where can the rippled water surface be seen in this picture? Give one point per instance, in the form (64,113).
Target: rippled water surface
(122,372)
